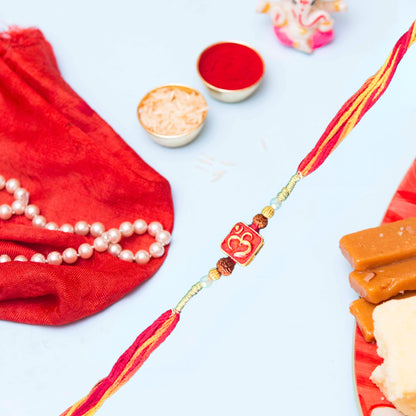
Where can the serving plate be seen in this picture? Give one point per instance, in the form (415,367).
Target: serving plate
(370,400)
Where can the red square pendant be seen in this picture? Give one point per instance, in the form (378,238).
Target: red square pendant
(242,244)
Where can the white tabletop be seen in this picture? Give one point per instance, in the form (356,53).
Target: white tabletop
(276,337)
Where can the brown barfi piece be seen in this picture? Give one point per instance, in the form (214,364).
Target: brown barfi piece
(382,283)
(363,313)
(382,245)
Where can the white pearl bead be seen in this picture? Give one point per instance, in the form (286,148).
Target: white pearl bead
(12,185)
(6,212)
(154,227)
(114,235)
(82,228)
(156,250)
(53,226)
(114,249)
(142,257)
(18,207)
(54,258)
(31,211)
(126,229)
(100,244)
(206,281)
(70,256)
(67,228)
(97,229)
(38,258)
(163,237)
(39,221)
(22,195)
(4,258)
(85,251)
(20,258)
(2,182)
(140,227)
(126,255)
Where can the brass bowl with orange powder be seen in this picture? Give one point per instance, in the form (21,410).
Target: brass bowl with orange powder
(231,71)
(173,115)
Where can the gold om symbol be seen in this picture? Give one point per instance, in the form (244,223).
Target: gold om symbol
(242,241)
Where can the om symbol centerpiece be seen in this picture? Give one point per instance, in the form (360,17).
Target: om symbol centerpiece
(242,244)
(302,24)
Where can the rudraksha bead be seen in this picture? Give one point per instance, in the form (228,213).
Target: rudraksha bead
(260,221)
(225,266)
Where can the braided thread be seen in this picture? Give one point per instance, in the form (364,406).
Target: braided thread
(195,289)
(287,190)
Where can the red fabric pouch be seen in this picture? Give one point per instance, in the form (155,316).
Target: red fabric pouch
(75,168)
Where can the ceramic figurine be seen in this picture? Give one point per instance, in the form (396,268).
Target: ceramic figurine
(303,24)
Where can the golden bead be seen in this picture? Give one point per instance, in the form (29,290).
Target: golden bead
(214,274)
(268,212)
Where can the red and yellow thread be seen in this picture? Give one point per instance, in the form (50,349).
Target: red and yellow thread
(355,108)
(126,366)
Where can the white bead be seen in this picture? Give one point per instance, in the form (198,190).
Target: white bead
(156,250)
(38,258)
(12,185)
(100,244)
(142,257)
(126,255)
(20,258)
(115,249)
(275,203)
(53,226)
(4,258)
(206,281)
(140,227)
(54,258)
(85,251)
(31,211)
(82,228)
(67,228)
(2,182)
(70,256)
(39,221)
(114,235)
(6,212)
(18,207)
(163,237)
(154,227)
(97,229)
(22,195)
(126,229)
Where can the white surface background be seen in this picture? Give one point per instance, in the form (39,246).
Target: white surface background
(276,337)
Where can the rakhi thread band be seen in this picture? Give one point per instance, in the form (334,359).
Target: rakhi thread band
(243,242)
(104,240)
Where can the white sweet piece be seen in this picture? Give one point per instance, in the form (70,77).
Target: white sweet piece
(395,333)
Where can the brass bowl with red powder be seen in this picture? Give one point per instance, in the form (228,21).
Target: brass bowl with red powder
(231,71)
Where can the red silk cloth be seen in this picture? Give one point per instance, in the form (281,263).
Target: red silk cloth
(75,168)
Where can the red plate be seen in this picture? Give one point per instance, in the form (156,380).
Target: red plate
(403,205)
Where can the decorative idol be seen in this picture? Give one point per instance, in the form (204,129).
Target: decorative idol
(302,24)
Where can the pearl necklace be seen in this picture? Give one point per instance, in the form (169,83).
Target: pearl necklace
(104,240)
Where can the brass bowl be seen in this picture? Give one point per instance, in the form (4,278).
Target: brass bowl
(227,95)
(172,140)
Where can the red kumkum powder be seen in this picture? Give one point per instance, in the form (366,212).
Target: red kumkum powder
(230,66)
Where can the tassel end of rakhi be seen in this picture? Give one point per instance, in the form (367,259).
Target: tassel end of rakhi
(127,365)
